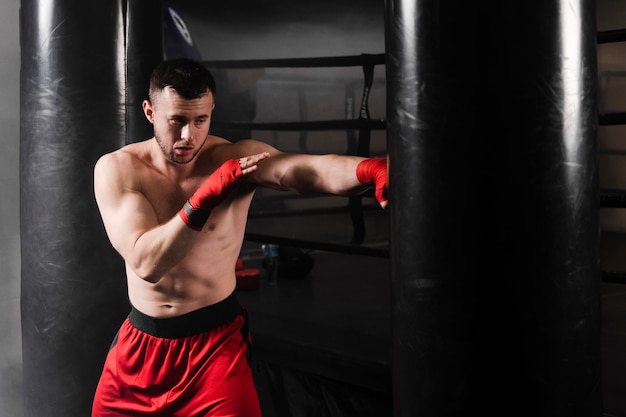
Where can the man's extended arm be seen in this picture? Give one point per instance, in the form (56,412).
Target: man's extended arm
(333,174)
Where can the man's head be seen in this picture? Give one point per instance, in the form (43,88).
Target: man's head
(180,107)
(189,78)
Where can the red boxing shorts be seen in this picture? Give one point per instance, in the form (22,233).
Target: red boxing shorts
(187,366)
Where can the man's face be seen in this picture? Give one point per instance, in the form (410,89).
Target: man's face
(181,126)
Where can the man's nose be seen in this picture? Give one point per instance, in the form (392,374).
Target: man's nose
(186,132)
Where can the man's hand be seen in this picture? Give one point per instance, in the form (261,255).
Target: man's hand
(248,164)
(216,188)
(374,170)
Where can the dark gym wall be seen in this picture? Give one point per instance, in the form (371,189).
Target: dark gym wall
(246,29)
(76,83)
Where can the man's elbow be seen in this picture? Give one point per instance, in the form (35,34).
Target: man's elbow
(146,272)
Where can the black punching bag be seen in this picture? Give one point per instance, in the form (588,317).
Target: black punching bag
(542,283)
(431,78)
(494,208)
(144,50)
(73,295)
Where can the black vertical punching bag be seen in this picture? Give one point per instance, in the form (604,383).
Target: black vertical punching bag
(73,295)
(544,277)
(431,109)
(494,208)
(144,50)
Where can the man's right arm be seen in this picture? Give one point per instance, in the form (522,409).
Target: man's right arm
(150,249)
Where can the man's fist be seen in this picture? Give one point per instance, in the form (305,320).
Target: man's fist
(216,188)
(374,170)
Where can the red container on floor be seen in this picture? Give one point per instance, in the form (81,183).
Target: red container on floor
(248,278)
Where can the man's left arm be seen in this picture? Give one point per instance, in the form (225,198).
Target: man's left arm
(332,174)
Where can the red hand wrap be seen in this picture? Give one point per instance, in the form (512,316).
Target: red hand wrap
(213,191)
(374,170)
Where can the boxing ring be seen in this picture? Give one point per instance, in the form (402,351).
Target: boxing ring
(612,198)
(613,201)
(492,305)
(336,358)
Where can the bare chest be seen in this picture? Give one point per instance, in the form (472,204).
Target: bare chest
(167,197)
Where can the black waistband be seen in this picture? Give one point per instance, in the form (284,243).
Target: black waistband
(189,324)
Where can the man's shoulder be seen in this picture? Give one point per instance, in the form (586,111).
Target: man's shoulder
(136,149)
(128,153)
(125,160)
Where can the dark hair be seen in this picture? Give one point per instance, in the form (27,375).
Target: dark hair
(189,78)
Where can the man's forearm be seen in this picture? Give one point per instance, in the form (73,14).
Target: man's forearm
(160,249)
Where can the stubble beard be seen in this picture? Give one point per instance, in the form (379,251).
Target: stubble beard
(168,152)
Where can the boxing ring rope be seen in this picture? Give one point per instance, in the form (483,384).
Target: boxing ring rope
(610,36)
(364,124)
(318,62)
(612,198)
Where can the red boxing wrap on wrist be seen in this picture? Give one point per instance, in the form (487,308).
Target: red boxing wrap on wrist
(213,191)
(374,170)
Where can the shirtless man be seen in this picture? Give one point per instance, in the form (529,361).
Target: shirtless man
(175,207)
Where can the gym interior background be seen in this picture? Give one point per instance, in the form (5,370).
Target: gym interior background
(262,30)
